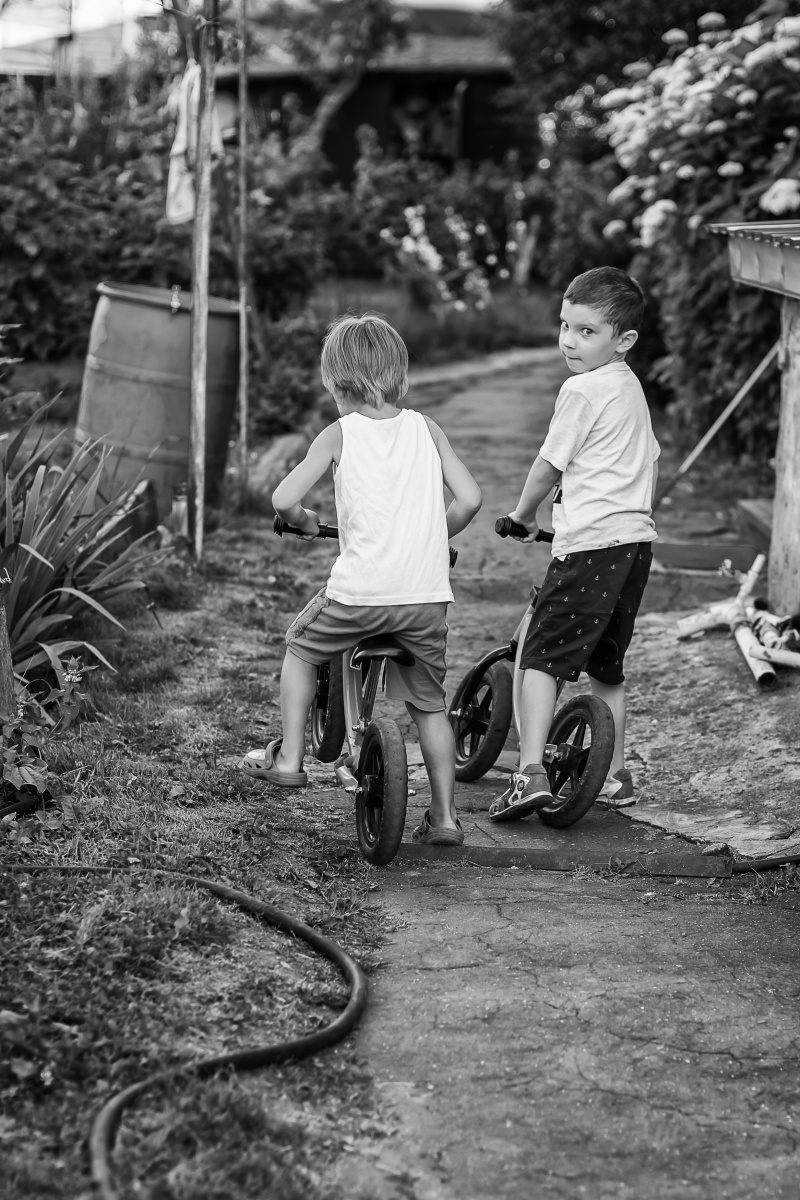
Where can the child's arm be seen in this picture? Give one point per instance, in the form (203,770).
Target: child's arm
(467,497)
(542,478)
(324,450)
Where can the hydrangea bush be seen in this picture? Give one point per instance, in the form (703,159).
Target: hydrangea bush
(710,134)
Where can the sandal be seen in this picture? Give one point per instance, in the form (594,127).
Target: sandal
(260,764)
(437,835)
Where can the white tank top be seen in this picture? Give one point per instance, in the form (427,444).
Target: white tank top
(391,514)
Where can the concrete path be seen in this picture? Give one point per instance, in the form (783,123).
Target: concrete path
(579,1033)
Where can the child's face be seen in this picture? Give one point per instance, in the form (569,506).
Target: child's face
(587,341)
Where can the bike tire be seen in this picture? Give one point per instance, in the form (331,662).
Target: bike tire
(382,792)
(480,715)
(328,724)
(576,786)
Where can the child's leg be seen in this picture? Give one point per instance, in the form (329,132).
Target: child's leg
(298,685)
(614,696)
(439,754)
(537,705)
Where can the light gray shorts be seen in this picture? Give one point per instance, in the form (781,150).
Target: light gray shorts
(326,628)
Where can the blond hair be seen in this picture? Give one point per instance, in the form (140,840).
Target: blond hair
(364,360)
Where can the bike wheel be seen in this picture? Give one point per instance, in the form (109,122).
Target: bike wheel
(328,725)
(583,730)
(480,715)
(382,791)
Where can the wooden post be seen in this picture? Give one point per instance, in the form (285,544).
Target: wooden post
(242,249)
(200,255)
(784,555)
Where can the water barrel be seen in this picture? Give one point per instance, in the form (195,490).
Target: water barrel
(136,387)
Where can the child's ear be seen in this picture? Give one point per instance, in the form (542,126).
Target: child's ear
(627,340)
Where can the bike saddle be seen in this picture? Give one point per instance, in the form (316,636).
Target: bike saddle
(382,646)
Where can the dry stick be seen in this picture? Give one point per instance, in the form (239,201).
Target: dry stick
(720,421)
(200,256)
(242,257)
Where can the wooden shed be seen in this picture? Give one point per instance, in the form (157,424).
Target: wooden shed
(767,255)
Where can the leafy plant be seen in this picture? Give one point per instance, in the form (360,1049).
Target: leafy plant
(27,732)
(712,133)
(66,548)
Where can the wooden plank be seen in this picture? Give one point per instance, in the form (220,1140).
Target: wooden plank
(705,556)
(784,557)
(755,520)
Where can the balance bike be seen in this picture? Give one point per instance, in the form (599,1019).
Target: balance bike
(580,742)
(368,753)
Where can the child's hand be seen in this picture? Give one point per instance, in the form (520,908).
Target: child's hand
(309,525)
(531,527)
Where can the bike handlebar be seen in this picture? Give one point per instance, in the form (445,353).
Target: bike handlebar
(507,527)
(281,527)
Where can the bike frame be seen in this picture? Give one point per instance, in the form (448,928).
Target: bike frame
(360,691)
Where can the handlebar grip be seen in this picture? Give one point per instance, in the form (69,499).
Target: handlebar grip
(507,527)
(281,527)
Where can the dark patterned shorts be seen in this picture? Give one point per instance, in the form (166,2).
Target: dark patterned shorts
(584,617)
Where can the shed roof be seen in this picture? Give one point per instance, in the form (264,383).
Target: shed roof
(776,233)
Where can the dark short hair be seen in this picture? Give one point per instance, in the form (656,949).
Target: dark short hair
(615,293)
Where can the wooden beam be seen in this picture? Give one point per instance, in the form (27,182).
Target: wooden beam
(784,557)
(242,250)
(200,257)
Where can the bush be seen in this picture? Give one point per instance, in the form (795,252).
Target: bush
(711,134)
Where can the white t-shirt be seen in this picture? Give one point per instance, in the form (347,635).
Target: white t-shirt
(602,441)
(391,514)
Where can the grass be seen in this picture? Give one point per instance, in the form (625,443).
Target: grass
(515,319)
(106,978)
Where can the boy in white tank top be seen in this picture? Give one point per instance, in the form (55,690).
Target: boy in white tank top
(392,574)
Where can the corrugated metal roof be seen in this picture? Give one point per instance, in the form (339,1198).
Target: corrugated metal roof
(777,233)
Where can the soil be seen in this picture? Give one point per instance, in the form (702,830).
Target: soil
(573,1033)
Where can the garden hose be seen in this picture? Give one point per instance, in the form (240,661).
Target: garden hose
(105,1124)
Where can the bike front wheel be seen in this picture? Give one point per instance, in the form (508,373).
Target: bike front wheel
(328,724)
(583,734)
(382,792)
(481,717)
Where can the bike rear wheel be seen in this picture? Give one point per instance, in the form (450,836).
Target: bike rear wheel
(382,791)
(480,715)
(583,731)
(328,724)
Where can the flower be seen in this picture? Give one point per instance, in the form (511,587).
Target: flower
(615,98)
(675,37)
(747,97)
(614,228)
(653,220)
(695,221)
(781,197)
(686,171)
(729,169)
(711,20)
(637,70)
(769,52)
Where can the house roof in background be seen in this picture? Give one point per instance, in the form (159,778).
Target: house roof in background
(450,39)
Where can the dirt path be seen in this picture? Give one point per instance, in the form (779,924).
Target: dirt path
(587,1035)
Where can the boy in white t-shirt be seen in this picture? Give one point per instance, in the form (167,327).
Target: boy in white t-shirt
(600,456)
(392,575)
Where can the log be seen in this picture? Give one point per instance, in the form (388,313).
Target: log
(775,654)
(719,613)
(746,640)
